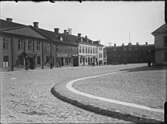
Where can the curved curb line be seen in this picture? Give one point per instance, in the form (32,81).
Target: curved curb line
(101,111)
(70,87)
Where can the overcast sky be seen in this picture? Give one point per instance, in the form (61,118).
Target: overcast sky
(105,21)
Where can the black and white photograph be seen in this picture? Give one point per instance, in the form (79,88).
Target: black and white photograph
(83,62)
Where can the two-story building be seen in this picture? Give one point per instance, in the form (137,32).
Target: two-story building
(20,46)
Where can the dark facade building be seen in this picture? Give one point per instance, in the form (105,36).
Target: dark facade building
(130,53)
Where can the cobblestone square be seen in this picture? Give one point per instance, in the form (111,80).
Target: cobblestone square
(26,96)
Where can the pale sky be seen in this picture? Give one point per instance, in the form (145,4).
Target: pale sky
(109,22)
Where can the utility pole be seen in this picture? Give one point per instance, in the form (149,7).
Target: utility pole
(129,37)
(51,55)
(12,65)
(42,57)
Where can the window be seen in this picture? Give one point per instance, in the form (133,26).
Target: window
(38,45)
(80,49)
(5,43)
(29,44)
(38,60)
(33,45)
(19,45)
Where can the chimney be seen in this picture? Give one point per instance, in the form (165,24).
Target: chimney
(56,30)
(115,45)
(69,30)
(86,38)
(79,34)
(129,44)
(146,43)
(35,24)
(9,19)
(137,43)
(79,37)
(65,32)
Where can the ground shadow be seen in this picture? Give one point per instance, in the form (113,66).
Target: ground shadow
(145,68)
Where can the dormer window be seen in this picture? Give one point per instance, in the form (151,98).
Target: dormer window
(61,38)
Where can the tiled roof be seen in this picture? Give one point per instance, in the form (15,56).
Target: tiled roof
(161,29)
(6,25)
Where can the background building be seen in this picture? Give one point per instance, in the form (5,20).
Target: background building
(130,53)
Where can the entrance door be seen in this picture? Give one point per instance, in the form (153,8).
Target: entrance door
(75,61)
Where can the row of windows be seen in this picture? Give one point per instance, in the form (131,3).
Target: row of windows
(31,44)
(66,50)
(88,50)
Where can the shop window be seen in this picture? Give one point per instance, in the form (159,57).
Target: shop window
(5,61)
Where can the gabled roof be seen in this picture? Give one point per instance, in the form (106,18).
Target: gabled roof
(162,29)
(6,25)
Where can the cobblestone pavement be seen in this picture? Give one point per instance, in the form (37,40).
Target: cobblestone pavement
(26,97)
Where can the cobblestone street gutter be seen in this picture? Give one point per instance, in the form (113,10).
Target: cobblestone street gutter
(103,108)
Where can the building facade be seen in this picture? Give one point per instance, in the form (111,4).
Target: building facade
(25,46)
(89,52)
(160,41)
(20,46)
(130,54)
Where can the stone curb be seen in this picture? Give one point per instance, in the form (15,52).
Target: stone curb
(102,111)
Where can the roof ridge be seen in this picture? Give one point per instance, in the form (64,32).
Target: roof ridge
(12,28)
